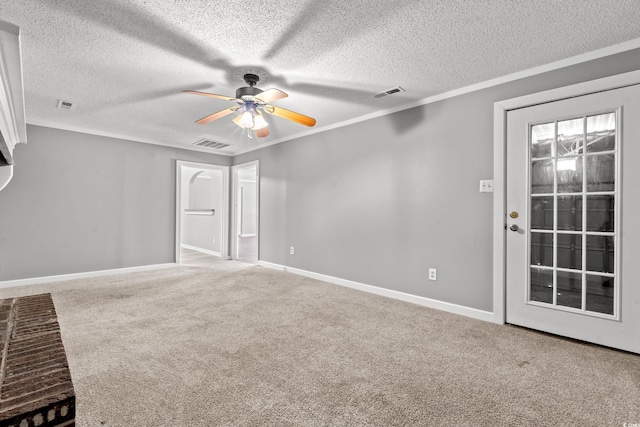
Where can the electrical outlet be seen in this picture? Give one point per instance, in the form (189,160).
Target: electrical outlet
(292,250)
(432,274)
(486,186)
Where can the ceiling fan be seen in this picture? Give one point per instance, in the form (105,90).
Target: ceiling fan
(251,102)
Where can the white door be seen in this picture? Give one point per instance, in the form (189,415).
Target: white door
(573,218)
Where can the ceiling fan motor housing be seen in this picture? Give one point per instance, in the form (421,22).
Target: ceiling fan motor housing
(248,91)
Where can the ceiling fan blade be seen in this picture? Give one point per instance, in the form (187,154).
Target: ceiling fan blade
(270,95)
(237,120)
(216,116)
(210,95)
(261,133)
(290,115)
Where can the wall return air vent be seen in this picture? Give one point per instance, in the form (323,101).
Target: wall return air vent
(211,144)
(388,92)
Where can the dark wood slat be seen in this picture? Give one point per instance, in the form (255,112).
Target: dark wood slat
(35,381)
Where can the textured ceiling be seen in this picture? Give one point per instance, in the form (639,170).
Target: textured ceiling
(124,63)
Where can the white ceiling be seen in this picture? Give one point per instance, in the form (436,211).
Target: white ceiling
(125,63)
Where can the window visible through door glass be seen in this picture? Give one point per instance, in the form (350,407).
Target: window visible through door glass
(570,213)
(570,137)
(601,133)
(542,140)
(542,213)
(573,213)
(542,176)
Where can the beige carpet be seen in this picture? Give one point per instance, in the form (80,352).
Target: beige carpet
(228,344)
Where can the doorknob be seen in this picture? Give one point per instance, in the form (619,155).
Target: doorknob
(514,228)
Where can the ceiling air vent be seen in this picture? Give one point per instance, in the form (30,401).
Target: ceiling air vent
(210,144)
(66,105)
(388,92)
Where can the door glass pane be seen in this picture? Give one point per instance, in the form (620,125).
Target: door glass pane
(570,251)
(570,161)
(601,172)
(542,213)
(569,289)
(570,137)
(600,213)
(542,138)
(569,213)
(600,291)
(601,132)
(600,254)
(542,177)
(541,285)
(542,249)
(569,174)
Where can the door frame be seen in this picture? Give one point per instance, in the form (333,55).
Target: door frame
(224,244)
(500,110)
(234,203)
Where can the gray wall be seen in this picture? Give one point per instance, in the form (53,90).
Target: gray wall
(82,203)
(379,202)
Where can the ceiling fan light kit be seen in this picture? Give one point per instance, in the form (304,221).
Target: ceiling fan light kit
(251,102)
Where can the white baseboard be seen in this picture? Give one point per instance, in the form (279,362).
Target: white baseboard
(72,276)
(204,251)
(414,299)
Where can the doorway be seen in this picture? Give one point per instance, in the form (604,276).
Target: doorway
(573,217)
(245,212)
(201,210)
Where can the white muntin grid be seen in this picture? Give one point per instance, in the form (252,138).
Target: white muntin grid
(583,233)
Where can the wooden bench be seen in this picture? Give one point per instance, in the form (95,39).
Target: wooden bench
(35,383)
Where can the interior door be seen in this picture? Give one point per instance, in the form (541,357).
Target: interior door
(573,218)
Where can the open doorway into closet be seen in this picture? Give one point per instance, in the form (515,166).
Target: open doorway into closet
(202,212)
(245,212)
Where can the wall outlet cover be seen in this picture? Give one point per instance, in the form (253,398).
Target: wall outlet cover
(486,186)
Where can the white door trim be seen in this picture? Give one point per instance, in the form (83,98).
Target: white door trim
(500,110)
(234,200)
(224,245)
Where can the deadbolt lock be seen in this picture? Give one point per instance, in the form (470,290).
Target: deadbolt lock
(514,215)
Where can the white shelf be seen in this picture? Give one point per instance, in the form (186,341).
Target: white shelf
(200,211)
